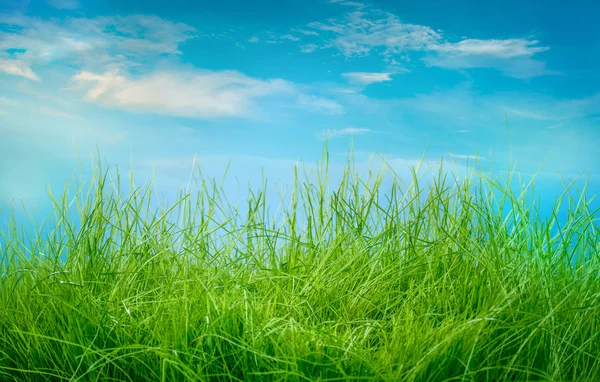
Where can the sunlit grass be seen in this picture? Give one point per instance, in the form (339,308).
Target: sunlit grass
(420,281)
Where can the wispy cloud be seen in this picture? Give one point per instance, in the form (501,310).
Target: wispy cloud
(308,48)
(508,48)
(64,4)
(306,32)
(270,37)
(331,134)
(366,78)
(367,31)
(359,33)
(347,3)
(320,104)
(194,94)
(511,56)
(290,37)
(93,41)
(18,68)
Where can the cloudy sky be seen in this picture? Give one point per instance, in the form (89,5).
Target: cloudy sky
(262,83)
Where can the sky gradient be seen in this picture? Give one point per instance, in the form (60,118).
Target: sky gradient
(262,83)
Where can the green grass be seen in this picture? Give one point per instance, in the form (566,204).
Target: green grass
(422,282)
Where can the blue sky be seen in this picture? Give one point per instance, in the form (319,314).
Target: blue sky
(156,83)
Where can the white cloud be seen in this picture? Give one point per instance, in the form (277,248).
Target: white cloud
(372,31)
(194,94)
(366,78)
(18,68)
(270,37)
(308,48)
(307,33)
(359,33)
(94,41)
(351,91)
(320,104)
(145,34)
(290,37)
(344,132)
(355,4)
(64,4)
(511,56)
(508,48)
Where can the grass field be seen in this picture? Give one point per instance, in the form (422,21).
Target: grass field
(427,281)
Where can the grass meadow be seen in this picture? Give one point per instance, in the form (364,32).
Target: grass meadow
(449,278)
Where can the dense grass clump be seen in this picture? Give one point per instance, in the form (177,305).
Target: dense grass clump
(406,282)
